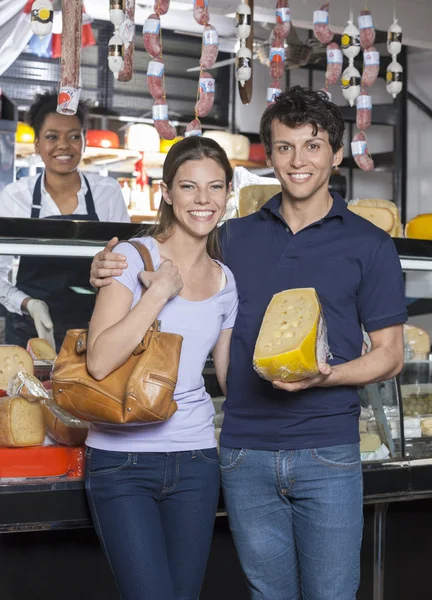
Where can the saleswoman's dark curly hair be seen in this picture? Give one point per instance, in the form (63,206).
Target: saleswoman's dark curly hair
(45,104)
(300,106)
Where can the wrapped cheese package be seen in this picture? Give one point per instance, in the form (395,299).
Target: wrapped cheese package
(12,360)
(382,213)
(27,386)
(293,337)
(236,146)
(251,191)
(21,422)
(62,427)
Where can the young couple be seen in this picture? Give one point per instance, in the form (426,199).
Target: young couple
(289,457)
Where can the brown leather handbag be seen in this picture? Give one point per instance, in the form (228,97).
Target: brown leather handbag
(140,390)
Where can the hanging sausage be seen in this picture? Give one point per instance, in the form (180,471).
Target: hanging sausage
(70,83)
(394,75)
(127,33)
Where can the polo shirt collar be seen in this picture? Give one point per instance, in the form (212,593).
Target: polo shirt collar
(338,209)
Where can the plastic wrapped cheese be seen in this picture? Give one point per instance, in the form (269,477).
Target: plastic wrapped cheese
(21,422)
(40,349)
(418,342)
(420,228)
(293,337)
(382,213)
(143,138)
(236,146)
(426,427)
(27,386)
(12,360)
(62,427)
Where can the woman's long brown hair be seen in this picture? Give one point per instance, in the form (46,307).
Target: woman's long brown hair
(191,148)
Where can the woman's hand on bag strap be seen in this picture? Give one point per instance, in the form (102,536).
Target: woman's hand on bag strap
(166,281)
(106,265)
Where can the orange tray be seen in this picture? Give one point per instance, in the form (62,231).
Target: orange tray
(42,461)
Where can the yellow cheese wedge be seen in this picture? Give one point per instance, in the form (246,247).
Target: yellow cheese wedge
(39,349)
(292,339)
(419,228)
(12,360)
(253,197)
(376,214)
(418,340)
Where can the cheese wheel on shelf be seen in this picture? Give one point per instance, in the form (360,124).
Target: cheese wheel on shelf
(40,349)
(420,228)
(377,212)
(236,146)
(12,360)
(21,422)
(293,337)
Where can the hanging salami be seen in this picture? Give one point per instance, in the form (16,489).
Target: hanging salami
(70,83)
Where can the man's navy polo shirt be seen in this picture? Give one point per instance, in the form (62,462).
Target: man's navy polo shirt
(356,272)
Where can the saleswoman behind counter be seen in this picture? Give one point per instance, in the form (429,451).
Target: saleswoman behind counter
(52,294)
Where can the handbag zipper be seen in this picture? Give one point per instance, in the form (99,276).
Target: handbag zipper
(162,379)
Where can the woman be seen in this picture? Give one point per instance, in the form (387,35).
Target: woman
(43,302)
(153,489)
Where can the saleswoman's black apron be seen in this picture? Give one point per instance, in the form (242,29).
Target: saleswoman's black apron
(51,279)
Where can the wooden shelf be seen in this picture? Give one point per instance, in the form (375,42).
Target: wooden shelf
(104,157)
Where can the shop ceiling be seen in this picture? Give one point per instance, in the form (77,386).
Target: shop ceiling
(415,16)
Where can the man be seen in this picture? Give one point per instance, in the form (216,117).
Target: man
(290,456)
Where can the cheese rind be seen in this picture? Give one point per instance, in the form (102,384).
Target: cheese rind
(376,211)
(293,337)
(21,422)
(12,360)
(420,228)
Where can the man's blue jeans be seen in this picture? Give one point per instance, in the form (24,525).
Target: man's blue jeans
(297,518)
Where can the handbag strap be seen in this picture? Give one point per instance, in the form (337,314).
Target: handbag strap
(144,252)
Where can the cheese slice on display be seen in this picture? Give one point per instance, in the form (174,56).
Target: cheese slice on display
(419,228)
(293,337)
(377,212)
(253,197)
(417,340)
(12,360)
(21,422)
(369,442)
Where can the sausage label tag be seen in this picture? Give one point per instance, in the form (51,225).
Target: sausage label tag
(155,69)
(68,100)
(334,55)
(371,59)
(207,85)
(151,26)
(210,37)
(365,22)
(364,101)
(160,112)
(283,15)
(359,148)
(320,17)
(273,93)
(277,54)
(193,132)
